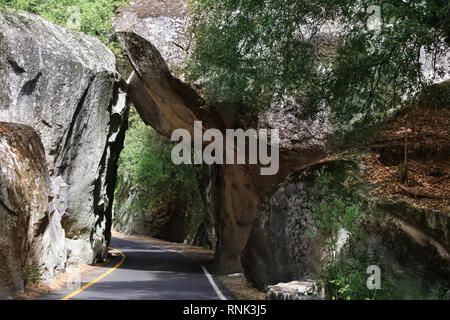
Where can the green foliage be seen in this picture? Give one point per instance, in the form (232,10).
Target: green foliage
(146,161)
(385,64)
(334,208)
(348,274)
(31,275)
(336,205)
(252,53)
(95,17)
(246,52)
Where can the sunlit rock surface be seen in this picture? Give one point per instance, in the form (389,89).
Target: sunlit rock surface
(296,290)
(64,84)
(30,228)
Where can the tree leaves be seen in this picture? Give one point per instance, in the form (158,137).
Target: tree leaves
(253,53)
(146,161)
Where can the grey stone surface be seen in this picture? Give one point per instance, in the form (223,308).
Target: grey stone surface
(296,290)
(30,230)
(279,248)
(164,25)
(64,84)
(127,218)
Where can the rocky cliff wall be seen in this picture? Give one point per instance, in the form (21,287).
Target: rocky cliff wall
(155,38)
(30,227)
(64,85)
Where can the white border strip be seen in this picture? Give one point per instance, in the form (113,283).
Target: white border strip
(214,285)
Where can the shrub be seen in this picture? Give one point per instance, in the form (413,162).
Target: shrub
(31,275)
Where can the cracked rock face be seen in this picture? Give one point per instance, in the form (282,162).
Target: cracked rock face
(279,248)
(64,84)
(30,229)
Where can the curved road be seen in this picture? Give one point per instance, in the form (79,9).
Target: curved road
(149,272)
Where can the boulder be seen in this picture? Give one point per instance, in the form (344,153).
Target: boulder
(296,290)
(156,39)
(30,228)
(280,247)
(3,295)
(65,85)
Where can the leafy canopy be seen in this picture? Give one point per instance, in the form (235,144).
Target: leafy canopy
(255,52)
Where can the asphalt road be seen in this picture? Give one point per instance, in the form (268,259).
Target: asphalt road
(148,272)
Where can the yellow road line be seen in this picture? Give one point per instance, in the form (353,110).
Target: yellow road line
(73,294)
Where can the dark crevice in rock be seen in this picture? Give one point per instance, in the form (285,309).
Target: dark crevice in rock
(16,68)
(109,166)
(43,224)
(29,87)
(45,123)
(5,207)
(62,166)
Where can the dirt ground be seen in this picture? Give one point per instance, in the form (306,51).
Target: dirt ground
(35,290)
(421,139)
